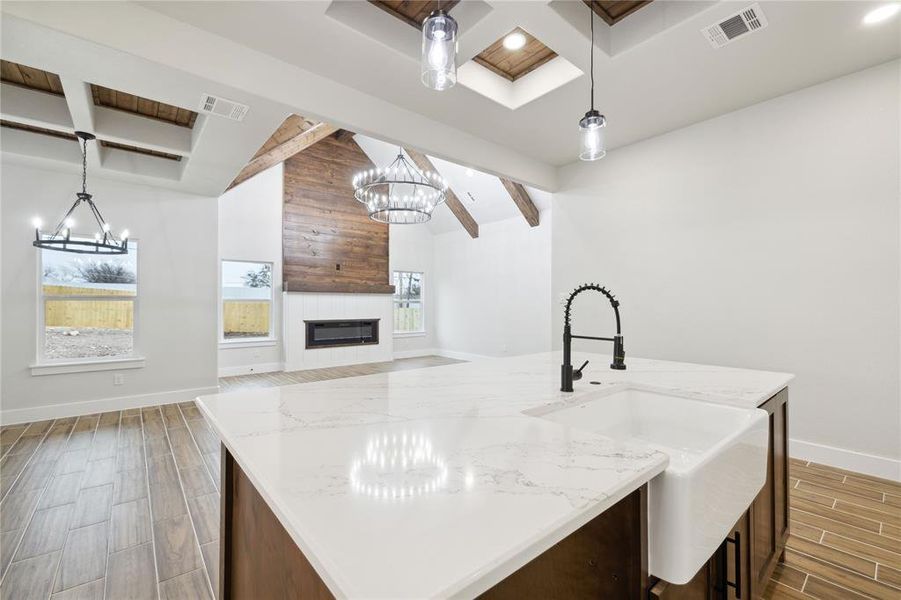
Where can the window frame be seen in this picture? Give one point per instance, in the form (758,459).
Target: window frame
(422,302)
(51,366)
(271,338)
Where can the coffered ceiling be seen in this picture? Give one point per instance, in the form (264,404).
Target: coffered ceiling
(413,12)
(513,64)
(614,11)
(356,66)
(146,116)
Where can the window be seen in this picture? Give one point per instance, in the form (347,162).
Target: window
(89,305)
(246,300)
(408,306)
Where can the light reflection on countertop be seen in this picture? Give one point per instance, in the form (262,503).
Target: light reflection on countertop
(398,467)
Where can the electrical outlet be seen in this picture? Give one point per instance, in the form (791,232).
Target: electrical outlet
(118,378)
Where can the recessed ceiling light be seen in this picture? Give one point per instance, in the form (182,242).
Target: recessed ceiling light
(514,41)
(470,172)
(883,13)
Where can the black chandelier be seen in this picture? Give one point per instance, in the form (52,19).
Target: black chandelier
(399,193)
(61,239)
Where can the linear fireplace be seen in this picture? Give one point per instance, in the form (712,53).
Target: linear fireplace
(332,333)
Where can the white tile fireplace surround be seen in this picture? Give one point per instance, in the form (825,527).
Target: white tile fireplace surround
(302,306)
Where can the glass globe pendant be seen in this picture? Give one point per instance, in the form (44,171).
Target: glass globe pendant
(439,51)
(591,131)
(592,126)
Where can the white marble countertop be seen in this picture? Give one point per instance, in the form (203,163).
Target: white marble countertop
(433,482)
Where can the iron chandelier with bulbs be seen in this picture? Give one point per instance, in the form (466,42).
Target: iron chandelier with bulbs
(399,193)
(61,239)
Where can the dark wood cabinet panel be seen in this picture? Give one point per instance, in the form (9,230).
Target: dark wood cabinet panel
(769,512)
(606,558)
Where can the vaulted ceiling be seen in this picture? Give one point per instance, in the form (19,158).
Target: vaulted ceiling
(354,65)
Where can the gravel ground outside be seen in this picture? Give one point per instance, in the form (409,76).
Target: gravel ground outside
(89,343)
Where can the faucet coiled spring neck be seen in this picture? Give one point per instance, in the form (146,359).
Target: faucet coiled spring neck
(567,313)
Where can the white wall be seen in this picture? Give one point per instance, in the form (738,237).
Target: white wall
(411,248)
(492,294)
(176,321)
(250,228)
(767,238)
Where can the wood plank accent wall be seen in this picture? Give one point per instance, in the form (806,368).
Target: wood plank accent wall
(329,243)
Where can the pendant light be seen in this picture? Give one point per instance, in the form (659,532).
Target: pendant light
(61,239)
(593,124)
(439,51)
(399,193)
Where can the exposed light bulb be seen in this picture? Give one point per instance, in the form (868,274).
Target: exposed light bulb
(106,228)
(37,222)
(124,234)
(70,223)
(883,13)
(514,41)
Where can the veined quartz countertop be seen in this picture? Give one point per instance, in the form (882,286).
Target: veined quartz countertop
(433,482)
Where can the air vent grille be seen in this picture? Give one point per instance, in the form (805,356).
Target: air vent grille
(735,26)
(213,105)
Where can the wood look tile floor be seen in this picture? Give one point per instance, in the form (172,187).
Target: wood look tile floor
(845,540)
(125,505)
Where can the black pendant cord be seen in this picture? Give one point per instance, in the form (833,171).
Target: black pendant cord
(591,57)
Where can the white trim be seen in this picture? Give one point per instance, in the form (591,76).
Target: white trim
(87,407)
(85,366)
(409,334)
(248,343)
(415,353)
(250,369)
(870,464)
(462,355)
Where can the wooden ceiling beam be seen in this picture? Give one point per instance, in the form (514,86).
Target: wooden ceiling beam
(522,200)
(284,151)
(469,224)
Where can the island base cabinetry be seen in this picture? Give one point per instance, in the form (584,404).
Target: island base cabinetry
(605,558)
(741,568)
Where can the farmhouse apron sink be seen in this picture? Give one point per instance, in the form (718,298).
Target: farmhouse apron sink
(718,461)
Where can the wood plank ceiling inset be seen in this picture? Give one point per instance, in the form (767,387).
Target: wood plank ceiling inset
(31,78)
(513,64)
(138,150)
(614,11)
(144,107)
(413,12)
(51,132)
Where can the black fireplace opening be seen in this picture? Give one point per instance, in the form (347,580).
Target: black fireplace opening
(329,334)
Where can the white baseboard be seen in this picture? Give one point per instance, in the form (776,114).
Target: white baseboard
(74,409)
(248,369)
(869,464)
(415,353)
(461,355)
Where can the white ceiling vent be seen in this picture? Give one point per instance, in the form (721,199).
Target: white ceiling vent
(213,105)
(743,22)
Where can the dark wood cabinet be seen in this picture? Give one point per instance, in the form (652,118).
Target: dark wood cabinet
(769,512)
(741,568)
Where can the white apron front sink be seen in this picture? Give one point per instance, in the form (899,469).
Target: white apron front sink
(718,461)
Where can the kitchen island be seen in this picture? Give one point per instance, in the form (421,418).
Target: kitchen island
(443,482)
